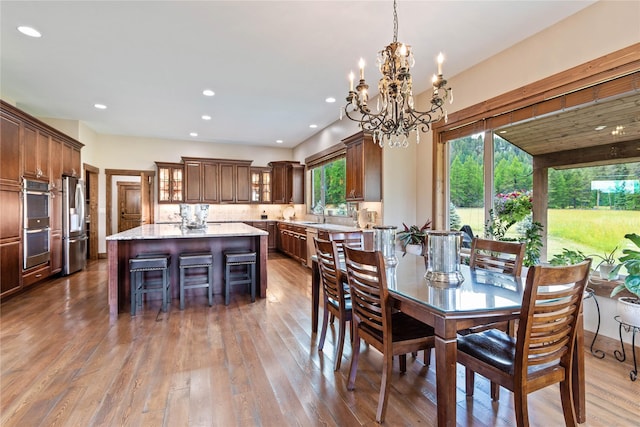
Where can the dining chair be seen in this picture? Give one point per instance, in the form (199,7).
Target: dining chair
(496,255)
(353,239)
(391,332)
(334,299)
(542,352)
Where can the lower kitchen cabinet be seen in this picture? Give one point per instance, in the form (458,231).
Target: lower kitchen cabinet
(10,267)
(293,241)
(271,228)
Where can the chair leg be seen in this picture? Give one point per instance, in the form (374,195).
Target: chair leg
(469,381)
(340,346)
(521,408)
(132,289)
(355,353)
(253,282)
(403,363)
(165,281)
(495,391)
(325,320)
(210,288)
(566,397)
(427,357)
(227,274)
(182,288)
(384,390)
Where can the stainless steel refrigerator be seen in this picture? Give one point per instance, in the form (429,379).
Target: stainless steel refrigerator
(74,230)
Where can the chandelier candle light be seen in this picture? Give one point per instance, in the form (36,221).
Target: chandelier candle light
(396,117)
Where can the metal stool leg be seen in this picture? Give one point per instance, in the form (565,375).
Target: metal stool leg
(210,290)
(253,282)
(182,288)
(227,275)
(132,289)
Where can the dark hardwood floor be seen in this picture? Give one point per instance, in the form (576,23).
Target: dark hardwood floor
(243,365)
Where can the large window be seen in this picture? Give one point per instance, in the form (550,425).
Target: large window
(466,185)
(328,187)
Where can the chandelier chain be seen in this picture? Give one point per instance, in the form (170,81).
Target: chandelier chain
(395,21)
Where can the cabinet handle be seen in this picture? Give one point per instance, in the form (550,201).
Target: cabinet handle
(38,275)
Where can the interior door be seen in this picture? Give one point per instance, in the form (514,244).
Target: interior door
(129,203)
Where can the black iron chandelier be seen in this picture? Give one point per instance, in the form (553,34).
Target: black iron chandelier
(396,117)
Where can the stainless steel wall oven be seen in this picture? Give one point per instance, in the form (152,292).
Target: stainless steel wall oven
(37,233)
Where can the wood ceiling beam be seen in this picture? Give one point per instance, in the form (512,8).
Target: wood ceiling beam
(622,152)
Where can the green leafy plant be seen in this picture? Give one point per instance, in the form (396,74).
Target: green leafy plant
(606,257)
(630,259)
(567,257)
(413,235)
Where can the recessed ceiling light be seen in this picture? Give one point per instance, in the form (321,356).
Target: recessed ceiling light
(208,92)
(600,127)
(29,31)
(193,134)
(100,106)
(279,141)
(330,99)
(313,126)
(205,117)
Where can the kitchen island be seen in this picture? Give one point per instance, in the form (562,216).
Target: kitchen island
(171,239)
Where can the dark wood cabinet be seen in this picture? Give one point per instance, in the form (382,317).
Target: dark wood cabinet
(170,182)
(364,169)
(260,185)
(288,182)
(10,151)
(71,160)
(10,241)
(293,241)
(36,153)
(200,181)
(234,181)
(271,228)
(30,148)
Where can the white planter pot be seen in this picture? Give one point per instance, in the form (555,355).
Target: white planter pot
(414,249)
(629,310)
(605,270)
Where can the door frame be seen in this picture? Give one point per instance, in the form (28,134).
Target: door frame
(110,173)
(91,181)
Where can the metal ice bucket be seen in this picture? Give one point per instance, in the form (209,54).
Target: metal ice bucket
(385,242)
(444,258)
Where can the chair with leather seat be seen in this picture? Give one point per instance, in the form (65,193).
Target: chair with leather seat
(334,300)
(501,257)
(141,270)
(239,269)
(353,239)
(393,333)
(195,262)
(542,352)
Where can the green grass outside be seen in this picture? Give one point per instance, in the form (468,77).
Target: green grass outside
(590,231)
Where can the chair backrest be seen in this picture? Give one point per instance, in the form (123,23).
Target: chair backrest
(496,255)
(330,274)
(368,288)
(548,320)
(353,239)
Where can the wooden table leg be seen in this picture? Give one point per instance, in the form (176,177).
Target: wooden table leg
(315,295)
(446,359)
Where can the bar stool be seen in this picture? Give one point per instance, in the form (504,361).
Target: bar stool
(196,260)
(244,272)
(138,268)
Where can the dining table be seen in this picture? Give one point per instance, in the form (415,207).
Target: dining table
(482,297)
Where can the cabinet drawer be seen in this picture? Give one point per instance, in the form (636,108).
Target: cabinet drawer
(36,275)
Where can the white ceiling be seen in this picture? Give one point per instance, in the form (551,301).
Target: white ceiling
(270,63)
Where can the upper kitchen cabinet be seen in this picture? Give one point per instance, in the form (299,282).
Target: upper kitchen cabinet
(288,182)
(170,182)
(200,180)
(71,160)
(56,145)
(364,169)
(260,185)
(235,181)
(36,148)
(10,151)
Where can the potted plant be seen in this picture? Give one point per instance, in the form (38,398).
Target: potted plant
(414,236)
(629,307)
(607,265)
(567,257)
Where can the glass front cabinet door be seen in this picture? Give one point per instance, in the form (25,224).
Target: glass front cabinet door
(170,182)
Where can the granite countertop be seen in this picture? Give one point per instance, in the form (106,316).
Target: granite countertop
(173,231)
(324,226)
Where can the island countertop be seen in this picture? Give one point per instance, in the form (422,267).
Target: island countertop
(173,231)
